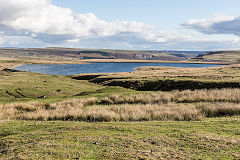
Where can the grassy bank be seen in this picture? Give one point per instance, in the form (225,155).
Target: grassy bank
(171,78)
(215,138)
(6,62)
(20,86)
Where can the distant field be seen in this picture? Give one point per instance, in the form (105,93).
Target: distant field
(14,62)
(76,54)
(220,56)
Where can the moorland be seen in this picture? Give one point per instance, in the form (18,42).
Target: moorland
(150,113)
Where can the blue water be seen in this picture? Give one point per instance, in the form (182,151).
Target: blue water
(97,67)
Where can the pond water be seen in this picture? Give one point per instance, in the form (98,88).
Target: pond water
(98,67)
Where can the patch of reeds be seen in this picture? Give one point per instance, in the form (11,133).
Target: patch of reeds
(77,111)
(137,107)
(219,109)
(187,96)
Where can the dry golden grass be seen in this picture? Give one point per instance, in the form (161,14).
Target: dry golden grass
(6,62)
(214,95)
(187,96)
(137,107)
(228,73)
(221,109)
(144,61)
(76,110)
(232,56)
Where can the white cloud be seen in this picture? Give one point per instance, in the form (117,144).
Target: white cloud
(1,40)
(37,23)
(218,25)
(41,20)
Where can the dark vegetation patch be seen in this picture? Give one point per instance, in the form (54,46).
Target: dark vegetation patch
(10,70)
(169,85)
(157,85)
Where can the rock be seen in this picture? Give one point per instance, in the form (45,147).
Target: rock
(43,97)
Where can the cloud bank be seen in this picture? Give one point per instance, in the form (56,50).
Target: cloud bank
(41,20)
(217,25)
(38,23)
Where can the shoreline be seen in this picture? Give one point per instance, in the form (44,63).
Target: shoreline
(147,61)
(16,62)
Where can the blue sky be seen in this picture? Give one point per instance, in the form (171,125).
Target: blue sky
(123,24)
(166,14)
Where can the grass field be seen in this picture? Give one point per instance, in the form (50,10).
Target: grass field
(214,138)
(25,85)
(151,113)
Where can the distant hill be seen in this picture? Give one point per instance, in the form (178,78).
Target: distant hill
(99,53)
(188,52)
(220,56)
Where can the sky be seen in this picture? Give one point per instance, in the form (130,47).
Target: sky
(122,24)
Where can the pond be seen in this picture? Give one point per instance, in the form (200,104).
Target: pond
(99,67)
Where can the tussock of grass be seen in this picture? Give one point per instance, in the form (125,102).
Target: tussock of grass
(142,107)
(188,96)
(136,107)
(145,113)
(214,95)
(65,110)
(222,109)
(77,110)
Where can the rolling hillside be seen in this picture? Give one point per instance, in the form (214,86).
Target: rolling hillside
(220,56)
(95,54)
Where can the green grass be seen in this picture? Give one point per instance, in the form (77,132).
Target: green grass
(216,138)
(107,91)
(17,86)
(27,86)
